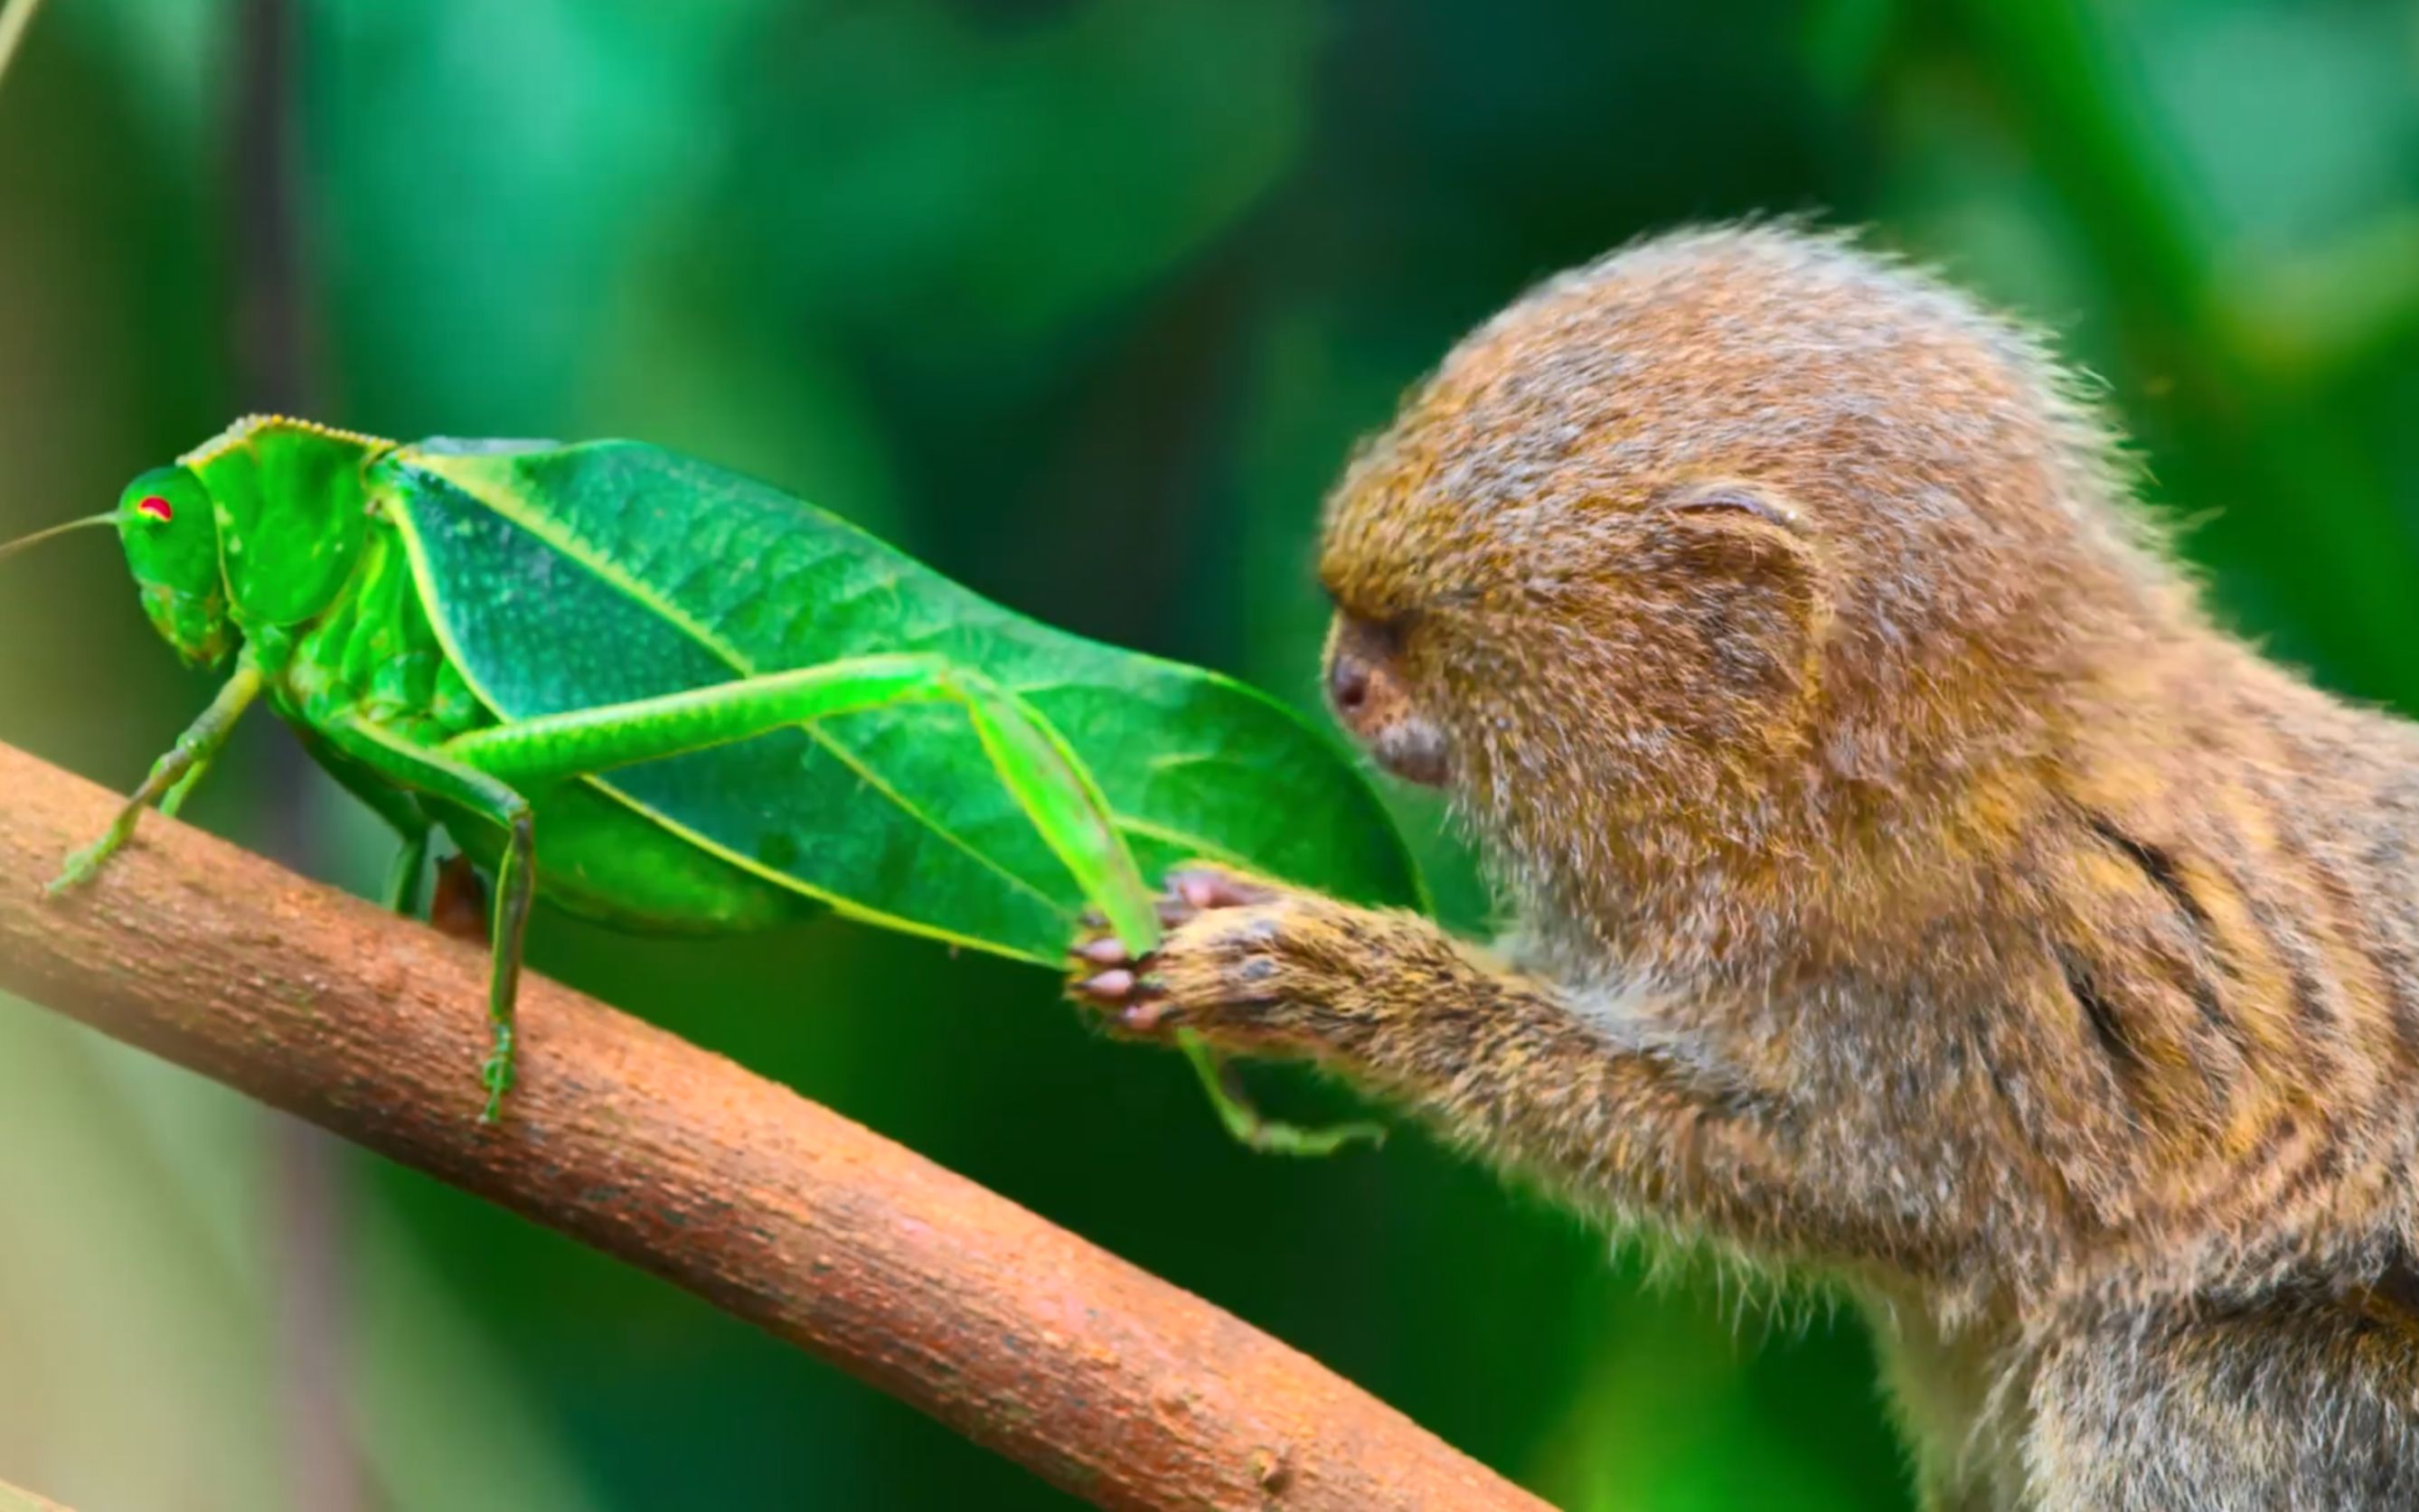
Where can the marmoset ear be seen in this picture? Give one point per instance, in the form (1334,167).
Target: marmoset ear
(1746,554)
(1740,526)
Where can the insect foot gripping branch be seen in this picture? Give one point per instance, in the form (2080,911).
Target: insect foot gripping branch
(1915,889)
(673,699)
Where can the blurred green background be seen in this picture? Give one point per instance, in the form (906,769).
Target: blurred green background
(1083,301)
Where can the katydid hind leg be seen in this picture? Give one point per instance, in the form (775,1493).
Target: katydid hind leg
(172,777)
(1050,784)
(585,742)
(515,889)
(403,876)
(490,798)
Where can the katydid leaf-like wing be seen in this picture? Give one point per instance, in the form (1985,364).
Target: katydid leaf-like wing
(569,578)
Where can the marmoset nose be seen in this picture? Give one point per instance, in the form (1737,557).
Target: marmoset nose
(1347,684)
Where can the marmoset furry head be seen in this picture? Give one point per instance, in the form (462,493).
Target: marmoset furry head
(1731,533)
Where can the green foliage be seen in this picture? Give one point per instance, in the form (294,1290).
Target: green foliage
(1084,303)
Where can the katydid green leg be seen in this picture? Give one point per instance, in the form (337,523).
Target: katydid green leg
(402,875)
(173,775)
(481,771)
(441,777)
(587,741)
(175,802)
(1052,787)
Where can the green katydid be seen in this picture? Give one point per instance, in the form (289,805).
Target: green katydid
(721,709)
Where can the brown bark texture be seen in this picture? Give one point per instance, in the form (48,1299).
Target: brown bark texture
(1104,1380)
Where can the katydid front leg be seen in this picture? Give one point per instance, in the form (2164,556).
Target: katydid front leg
(172,776)
(174,802)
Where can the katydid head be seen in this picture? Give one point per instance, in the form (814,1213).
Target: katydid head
(259,526)
(172,546)
(164,521)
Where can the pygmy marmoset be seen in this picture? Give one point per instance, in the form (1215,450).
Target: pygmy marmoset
(1914,886)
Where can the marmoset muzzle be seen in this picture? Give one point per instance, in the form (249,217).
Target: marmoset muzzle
(1371,696)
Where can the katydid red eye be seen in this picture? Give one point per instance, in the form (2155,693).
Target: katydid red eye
(157,507)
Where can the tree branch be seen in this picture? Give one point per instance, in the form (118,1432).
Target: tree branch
(1098,1377)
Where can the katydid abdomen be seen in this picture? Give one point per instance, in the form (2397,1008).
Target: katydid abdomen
(704,704)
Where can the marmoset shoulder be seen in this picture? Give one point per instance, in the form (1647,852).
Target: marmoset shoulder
(1914,887)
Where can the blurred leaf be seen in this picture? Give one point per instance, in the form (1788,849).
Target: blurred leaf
(2297,124)
(485,177)
(999,180)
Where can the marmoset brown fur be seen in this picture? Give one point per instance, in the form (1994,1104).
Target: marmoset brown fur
(1915,887)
